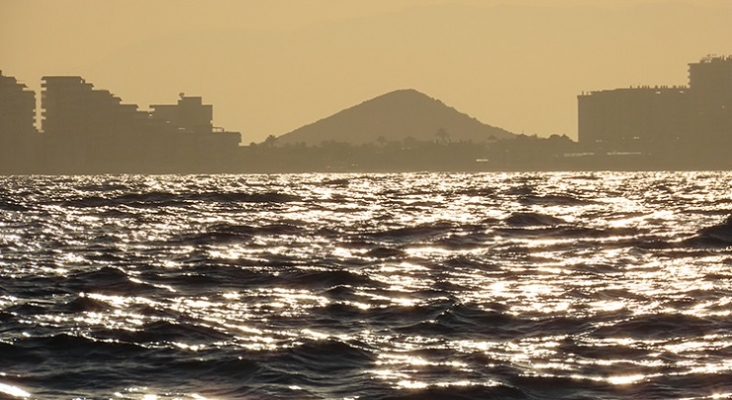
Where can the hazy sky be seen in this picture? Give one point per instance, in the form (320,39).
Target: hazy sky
(269,67)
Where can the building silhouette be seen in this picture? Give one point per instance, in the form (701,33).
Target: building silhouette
(17,107)
(85,130)
(74,109)
(623,117)
(189,115)
(189,124)
(18,135)
(710,81)
(675,125)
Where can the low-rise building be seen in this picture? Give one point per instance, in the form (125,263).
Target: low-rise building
(189,115)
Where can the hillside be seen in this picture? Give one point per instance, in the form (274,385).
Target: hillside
(395,116)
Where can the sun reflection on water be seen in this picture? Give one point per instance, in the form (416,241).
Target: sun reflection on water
(419,278)
(13,391)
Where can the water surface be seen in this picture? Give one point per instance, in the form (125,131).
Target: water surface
(322,286)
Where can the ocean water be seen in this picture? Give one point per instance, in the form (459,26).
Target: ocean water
(391,286)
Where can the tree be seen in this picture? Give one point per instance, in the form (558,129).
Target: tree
(270,141)
(442,135)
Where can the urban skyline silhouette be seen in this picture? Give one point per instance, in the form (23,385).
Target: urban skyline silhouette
(89,130)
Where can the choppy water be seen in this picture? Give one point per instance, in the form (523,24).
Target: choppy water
(470,286)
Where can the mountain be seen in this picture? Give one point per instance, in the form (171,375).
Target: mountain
(516,65)
(395,116)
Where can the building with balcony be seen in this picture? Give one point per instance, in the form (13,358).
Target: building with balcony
(17,107)
(18,136)
(72,107)
(88,129)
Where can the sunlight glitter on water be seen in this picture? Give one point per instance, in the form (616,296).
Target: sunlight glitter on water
(413,281)
(13,391)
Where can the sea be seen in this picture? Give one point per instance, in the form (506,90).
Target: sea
(564,285)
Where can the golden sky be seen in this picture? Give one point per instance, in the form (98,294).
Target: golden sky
(269,67)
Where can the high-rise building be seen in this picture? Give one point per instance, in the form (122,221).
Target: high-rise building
(631,117)
(71,106)
(648,118)
(88,130)
(18,135)
(712,76)
(17,107)
(710,83)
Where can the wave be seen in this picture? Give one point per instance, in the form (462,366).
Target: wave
(456,392)
(477,192)
(229,233)
(718,233)
(164,332)
(554,200)
(105,187)
(171,199)
(385,252)
(465,241)
(524,219)
(471,286)
(411,234)
(108,280)
(329,356)
(663,326)
(10,205)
